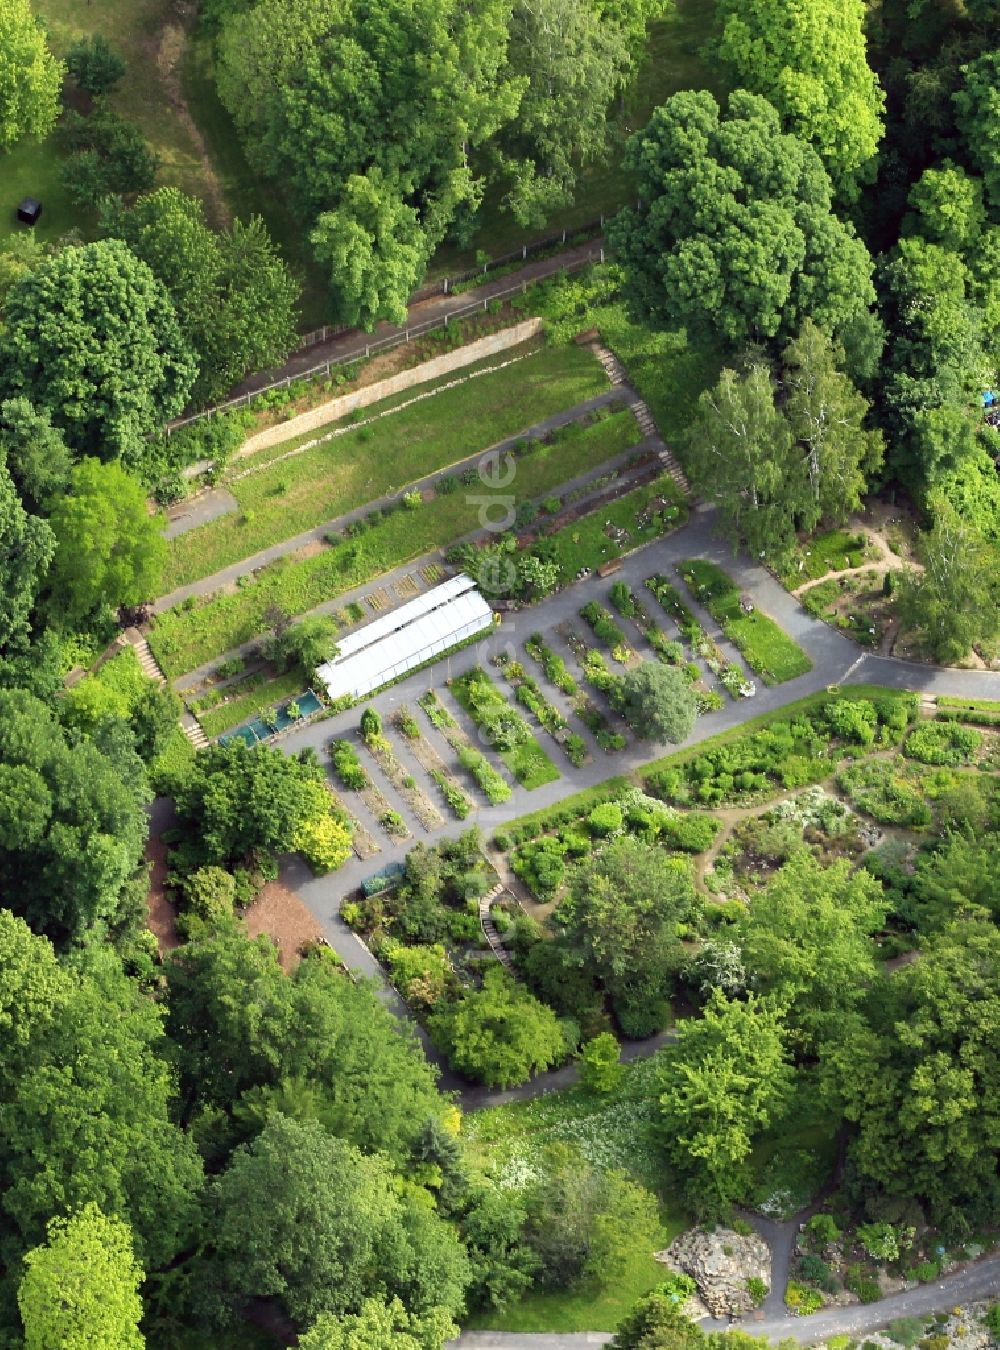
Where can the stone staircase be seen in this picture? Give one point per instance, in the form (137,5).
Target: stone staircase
(144,655)
(489,928)
(617,374)
(193,730)
(190,725)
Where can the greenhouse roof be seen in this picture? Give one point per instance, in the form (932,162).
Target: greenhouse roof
(398,642)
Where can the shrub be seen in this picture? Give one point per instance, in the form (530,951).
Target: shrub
(927,1272)
(942,743)
(906,1330)
(853,720)
(541,866)
(877,788)
(371,725)
(802,1300)
(690,831)
(605,819)
(325,843)
(992,1319)
(814,1270)
(757,1290)
(412,501)
(347,766)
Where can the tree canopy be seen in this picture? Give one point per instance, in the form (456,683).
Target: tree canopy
(72,824)
(91,337)
(234,298)
(30,76)
(658,701)
(109,550)
(721,1083)
(82,1287)
(736,237)
(810,61)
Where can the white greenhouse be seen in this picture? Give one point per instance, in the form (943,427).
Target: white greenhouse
(398,642)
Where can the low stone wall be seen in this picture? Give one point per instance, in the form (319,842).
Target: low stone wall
(395,384)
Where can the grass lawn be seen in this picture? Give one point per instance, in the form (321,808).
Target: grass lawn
(151,37)
(31,169)
(827,552)
(766,647)
(586,543)
(246,698)
(611,1132)
(184,638)
(343,473)
(482,700)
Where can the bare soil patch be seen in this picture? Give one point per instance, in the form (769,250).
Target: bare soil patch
(282,916)
(162,920)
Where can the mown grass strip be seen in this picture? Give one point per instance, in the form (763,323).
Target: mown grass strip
(340,474)
(765,646)
(185,638)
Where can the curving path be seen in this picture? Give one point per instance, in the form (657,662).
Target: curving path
(974,1282)
(836,660)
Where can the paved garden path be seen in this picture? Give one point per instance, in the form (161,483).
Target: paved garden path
(976,1281)
(228,575)
(353,341)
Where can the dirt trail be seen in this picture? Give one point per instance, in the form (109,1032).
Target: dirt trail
(889,561)
(173,40)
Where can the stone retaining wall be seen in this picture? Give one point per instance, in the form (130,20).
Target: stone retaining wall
(394,384)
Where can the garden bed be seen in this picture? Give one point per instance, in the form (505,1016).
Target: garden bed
(505,729)
(764,645)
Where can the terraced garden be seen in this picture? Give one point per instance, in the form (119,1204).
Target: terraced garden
(344,467)
(187,636)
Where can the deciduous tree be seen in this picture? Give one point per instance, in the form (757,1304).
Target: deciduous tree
(658,702)
(91,336)
(108,549)
(826,417)
(721,1083)
(955,600)
(809,61)
(735,239)
(739,455)
(30,76)
(37,456)
(234,297)
(72,824)
(94,64)
(26,548)
(620,924)
(500,1034)
(82,1287)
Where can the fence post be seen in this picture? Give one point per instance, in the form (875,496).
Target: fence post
(524,252)
(446,280)
(602,220)
(602,255)
(367,348)
(524,288)
(564,236)
(407,334)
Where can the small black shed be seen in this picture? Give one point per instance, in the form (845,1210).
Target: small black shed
(29,210)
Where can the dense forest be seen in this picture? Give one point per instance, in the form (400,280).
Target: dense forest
(191,1137)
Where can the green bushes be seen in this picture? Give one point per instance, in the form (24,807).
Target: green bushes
(458,803)
(669,599)
(603,625)
(877,788)
(505,729)
(555,668)
(802,1300)
(347,766)
(942,743)
(783,754)
(494,786)
(541,866)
